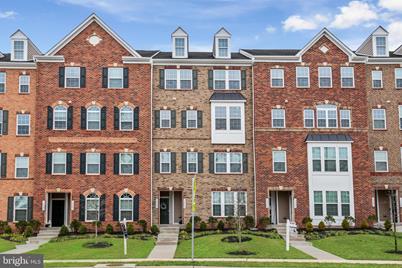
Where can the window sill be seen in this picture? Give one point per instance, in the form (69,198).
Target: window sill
(377,88)
(126,174)
(24,93)
(178,89)
(348,87)
(58,174)
(22,136)
(380,129)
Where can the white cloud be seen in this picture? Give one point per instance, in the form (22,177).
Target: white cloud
(8,14)
(270,29)
(355,13)
(393,5)
(297,23)
(395,34)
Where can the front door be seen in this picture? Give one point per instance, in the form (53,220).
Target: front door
(283,206)
(164,211)
(384,206)
(57,213)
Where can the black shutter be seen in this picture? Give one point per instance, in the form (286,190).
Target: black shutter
(49,117)
(30,208)
(184,162)
(157,162)
(173,118)
(245,163)
(83,74)
(102,163)
(69,165)
(157,119)
(183,119)
(199,119)
(136,207)
(104,77)
(195,79)
(136,163)
(102,207)
(200,159)
(70,117)
(83,161)
(173,162)
(116,202)
(116,164)
(116,118)
(82,208)
(125,77)
(212,163)
(161,78)
(10,209)
(3,172)
(136,122)
(103,118)
(83,118)
(210,79)
(61,76)
(49,163)
(243,80)
(5,122)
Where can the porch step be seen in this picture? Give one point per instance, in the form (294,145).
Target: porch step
(169,235)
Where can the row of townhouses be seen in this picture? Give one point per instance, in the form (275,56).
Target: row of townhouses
(96,130)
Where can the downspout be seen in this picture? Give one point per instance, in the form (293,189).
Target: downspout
(151,140)
(254,158)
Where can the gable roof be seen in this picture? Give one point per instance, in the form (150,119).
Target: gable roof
(1,55)
(92,18)
(179,32)
(223,32)
(398,51)
(18,34)
(272,52)
(366,48)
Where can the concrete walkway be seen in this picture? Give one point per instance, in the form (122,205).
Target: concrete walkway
(166,244)
(314,252)
(163,252)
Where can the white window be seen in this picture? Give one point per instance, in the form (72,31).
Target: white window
(318,204)
(381,46)
(93,118)
(327,116)
(278,118)
(228,162)
(331,199)
(92,163)
(23,124)
(325,77)
(223,47)
(126,118)
(376,77)
(234,118)
(178,79)
(400,117)
(22,167)
(302,76)
(345,203)
(277,78)
(59,163)
(72,77)
(115,77)
(331,205)
(227,79)
(308,118)
(165,118)
(192,162)
(220,118)
(228,121)
(343,159)
(165,162)
(347,77)
(126,207)
(2,82)
(179,46)
(381,161)
(330,159)
(191,118)
(60,118)
(92,207)
(1,122)
(126,164)
(279,161)
(229,204)
(20,208)
(24,83)
(379,119)
(344,118)
(398,77)
(316,157)
(19,50)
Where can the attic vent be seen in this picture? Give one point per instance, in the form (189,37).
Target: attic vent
(324,49)
(94,39)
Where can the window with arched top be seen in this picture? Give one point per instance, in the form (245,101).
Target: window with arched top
(92,207)
(126,118)
(60,117)
(126,207)
(93,118)
(327,116)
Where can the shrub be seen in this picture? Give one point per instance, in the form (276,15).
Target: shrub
(321,226)
(82,229)
(64,231)
(35,224)
(329,220)
(203,226)
(183,235)
(143,224)
(197,220)
(221,225)
(21,225)
(28,232)
(364,225)
(249,221)
(8,230)
(189,227)
(230,222)
(306,220)
(345,224)
(130,229)
(309,227)
(154,229)
(212,222)
(387,225)
(263,222)
(371,220)
(75,226)
(109,229)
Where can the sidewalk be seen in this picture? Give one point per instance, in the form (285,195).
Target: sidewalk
(314,252)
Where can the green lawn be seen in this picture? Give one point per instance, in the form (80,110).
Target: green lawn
(211,246)
(6,245)
(360,247)
(73,249)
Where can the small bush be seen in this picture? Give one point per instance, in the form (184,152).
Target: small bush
(249,221)
(35,224)
(8,230)
(236,239)
(189,227)
(364,225)
(230,222)
(109,229)
(154,229)
(371,220)
(143,224)
(75,226)
(263,222)
(387,225)
(197,220)
(212,222)
(221,225)
(130,229)
(329,220)
(321,226)
(64,231)
(345,224)
(21,225)
(98,244)
(306,220)
(82,229)
(309,227)
(28,232)
(203,226)
(183,235)
(3,225)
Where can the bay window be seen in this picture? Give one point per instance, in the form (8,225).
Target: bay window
(330,159)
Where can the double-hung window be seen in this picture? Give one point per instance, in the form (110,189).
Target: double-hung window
(165,162)
(24,82)
(115,77)
(223,47)
(92,163)
(347,77)
(126,207)
(330,159)
(191,119)
(23,124)
(220,118)
(20,208)
(227,79)
(126,118)
(60,118)
(179,46)
(93,118)
(277,77)
(228,118)
(345,203)
(21,167)
(316,156)
(278,118)
(72,77)
(381,46)
(1,122)
(398,77)
(228,162)
(92,207)
(192,162)
(318,204)
(302,76)
(235,118)
(381,161)
(331,199)
(344,118)
(126,164)
(2,82)
(376,79)
(327,116)
(59,163)
(400,117)
(279,161)
(229,204)
(325,77)
(165,119)
(343,159)
(178,79)
(379,119)
(19,50)
(308,118)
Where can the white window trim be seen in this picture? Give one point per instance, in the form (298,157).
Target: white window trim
(400,155)
(120,117)
(337,159)
(396,84)
(349,118)
(217,48)
(5,82)
(273,161)
(283,77)
(375,46)
(170,163)
(227,80)
(14,208)
(372,79)
(228,163)
(170,119)
(79,77)
(15,167)
(25,50)
(120,209)
(304,118)
(178,80)
(400,116)
(327,109)
(188,163)
(319,77)
(196,119)
(28,84)
(185,55)
(109,77)
(17,125)
(222,203)
(353,77)
(65,164)
(86,208)
(54,119)
(375,162)
(87,163)
(132,165)
(272,117)
(308,77)
(100,118)
(385,119)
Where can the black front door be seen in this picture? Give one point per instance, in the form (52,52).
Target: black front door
(57,213)
(164,210)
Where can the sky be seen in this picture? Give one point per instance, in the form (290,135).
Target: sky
(147,24)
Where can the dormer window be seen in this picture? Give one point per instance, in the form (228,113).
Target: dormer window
(381,45)
(19,50)
(179,47)
(222,44)
(223,47)
(179,43)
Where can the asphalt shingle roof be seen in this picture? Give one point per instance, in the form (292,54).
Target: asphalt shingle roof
(272,52)
(199,55)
